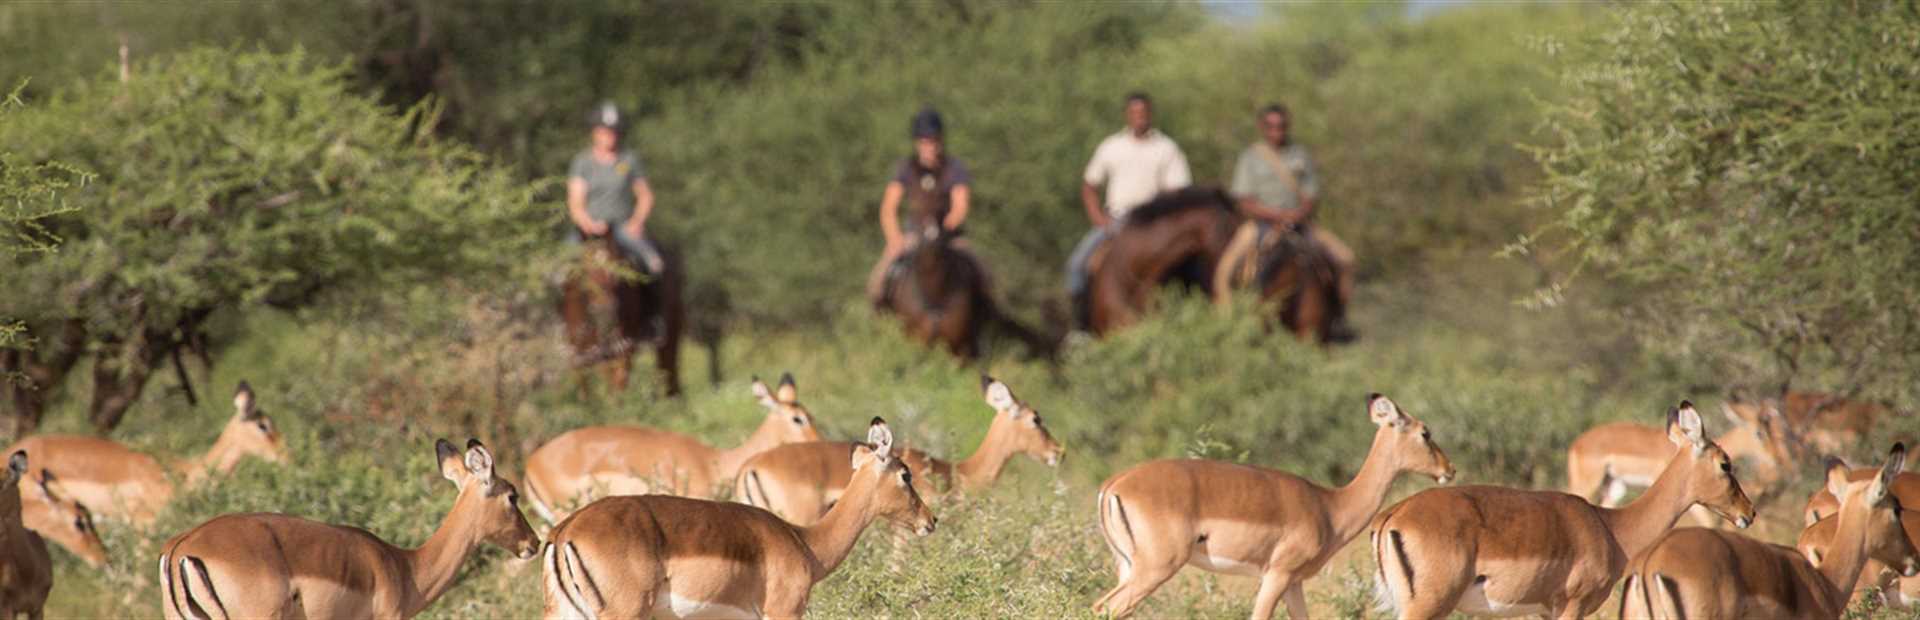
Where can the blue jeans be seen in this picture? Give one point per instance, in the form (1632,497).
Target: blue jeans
(638,250)
(1077,262)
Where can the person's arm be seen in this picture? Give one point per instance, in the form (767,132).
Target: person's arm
(1309,188)
(642,207)
(1241,188)
(1090,199)
(577,208)
(890,216)
(957,207)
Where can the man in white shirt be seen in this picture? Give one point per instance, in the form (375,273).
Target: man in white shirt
(1134,165)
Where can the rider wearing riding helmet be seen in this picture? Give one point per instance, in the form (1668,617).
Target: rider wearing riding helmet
(607,191)
(935,185)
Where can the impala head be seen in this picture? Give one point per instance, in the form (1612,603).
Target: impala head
(1017,425)
(1408,440)
(1709,470)
(787,420)
(10,484)
(55,515)
(1873,502)
(876,469)
(489,504)
(1769,428)
(250,432)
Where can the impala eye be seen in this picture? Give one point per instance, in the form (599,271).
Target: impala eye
(80,523)
(1426,435)
(797,420)
(1726,466)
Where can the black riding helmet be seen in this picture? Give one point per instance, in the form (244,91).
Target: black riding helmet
(607,115)
(926,124)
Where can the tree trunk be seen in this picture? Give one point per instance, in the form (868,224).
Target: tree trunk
(119,375)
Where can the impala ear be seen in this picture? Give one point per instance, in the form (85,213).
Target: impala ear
(787,392)
(1383,412)
(761,393)
(1733,417)
(449,459)
(1837,478)
(998,396)
(1684,427)
(16,465)
(862,455)
(243,401)
(882,439)
(1896,461)
(479,461)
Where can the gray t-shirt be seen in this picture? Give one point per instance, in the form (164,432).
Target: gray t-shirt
(609,185)
(1254,176)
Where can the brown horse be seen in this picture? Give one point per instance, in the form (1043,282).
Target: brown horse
(942,298)
(647,310)
(1179,236)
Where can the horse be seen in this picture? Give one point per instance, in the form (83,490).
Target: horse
(942,298)
(646,310)
(1179,236)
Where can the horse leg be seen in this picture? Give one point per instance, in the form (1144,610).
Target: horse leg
(666,354)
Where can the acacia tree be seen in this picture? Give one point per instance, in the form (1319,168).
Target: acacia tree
(1745,169)
(227,179)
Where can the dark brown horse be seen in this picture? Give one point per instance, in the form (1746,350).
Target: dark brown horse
(608,316)
(1179,237)
(942,298)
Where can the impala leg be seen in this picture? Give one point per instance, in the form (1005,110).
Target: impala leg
(1274,584)
(1125,597)
(1296,598)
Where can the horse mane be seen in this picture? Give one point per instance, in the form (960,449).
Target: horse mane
(1177,201)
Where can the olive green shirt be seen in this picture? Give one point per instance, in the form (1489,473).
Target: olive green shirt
(1255,177)
(609,185)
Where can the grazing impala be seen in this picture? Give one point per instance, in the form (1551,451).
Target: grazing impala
(117,482)
(1830,423)
(46,509)
(264,565)
(1620,455)
(1896,592)
(801,481)
(1223,517)
(26,571)
(585,463)
(1699,573)
(634,556)
(1499,551)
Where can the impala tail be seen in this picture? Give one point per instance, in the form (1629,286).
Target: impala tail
(570,592)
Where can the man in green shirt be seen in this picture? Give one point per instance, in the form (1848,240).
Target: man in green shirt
(1275,186)
(607,191)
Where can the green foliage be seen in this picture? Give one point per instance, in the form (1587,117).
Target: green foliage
(1742,167)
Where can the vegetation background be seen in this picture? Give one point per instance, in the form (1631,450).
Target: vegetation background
(1565,214)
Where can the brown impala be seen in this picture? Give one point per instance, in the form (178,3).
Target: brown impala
(1896,591)
(800,481)
(1228,518)
(596,461)
(264,565)
(1496,551)
(26,571)
(1617,456)
(664,556)
(1700,573)
(117,482)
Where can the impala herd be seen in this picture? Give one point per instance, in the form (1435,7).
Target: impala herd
(639,527)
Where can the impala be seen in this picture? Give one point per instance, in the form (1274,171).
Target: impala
(46,509)
(118,482)
(264,565)
(1223,517)
(1896,592)
(1499,551)
(634,556)
(1831,424)
(801,481)
(630,460)
(26,571)
(1620,455)
(1699,573)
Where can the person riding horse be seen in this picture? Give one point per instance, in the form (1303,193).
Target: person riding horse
(608,204)
(1276,188)
(937,187)
(1135,165)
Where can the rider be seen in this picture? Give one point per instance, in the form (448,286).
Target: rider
(936,185)
(1135,164)
(607,191)
(1275,186)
